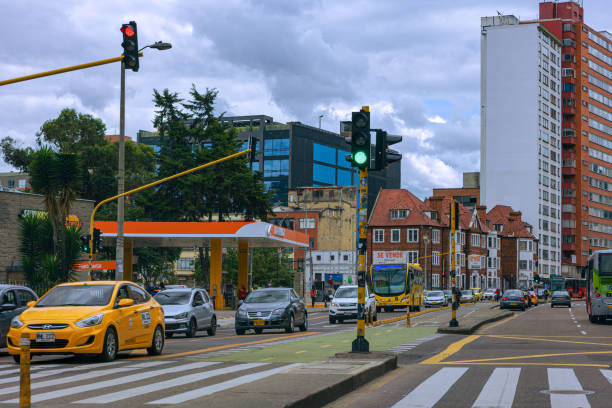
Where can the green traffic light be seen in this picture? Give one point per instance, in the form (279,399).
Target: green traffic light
(360,157)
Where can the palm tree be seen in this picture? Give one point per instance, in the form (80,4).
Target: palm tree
(44,181)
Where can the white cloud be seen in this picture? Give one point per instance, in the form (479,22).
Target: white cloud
(436,119)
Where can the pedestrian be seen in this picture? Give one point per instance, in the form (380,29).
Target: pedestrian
(313,295)
(497,294)
(545,295)
(242,293)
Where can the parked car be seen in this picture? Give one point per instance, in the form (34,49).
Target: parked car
(187,310)
(489,294)
(90,318)
(271,308)
(448,295)
(513,299)
(344,304)
(477,294)
(560,298)
(435,298)
(13,301)
(467,296)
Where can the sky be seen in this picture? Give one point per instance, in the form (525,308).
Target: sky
(415,63)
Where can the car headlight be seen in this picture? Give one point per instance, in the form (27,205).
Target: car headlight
(16,323)
(181,315)
(278,311)
(90,321)
(334,304)
(242,313)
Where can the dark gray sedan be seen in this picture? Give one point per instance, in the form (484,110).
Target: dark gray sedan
(560,298)
(512,299)
(271,308)
(13,300)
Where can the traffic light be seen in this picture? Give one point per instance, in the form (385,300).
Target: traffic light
(360,139)
(130,45)
(85,243)
(97,241)
(536,278)
(382,156)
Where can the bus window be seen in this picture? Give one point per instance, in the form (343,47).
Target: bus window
(605,264)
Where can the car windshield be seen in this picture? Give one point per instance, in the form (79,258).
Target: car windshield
(560,293)
(78,295)
(346,293)
(434,293)
(173,298)
(466,292)
(513,293)
(268,296)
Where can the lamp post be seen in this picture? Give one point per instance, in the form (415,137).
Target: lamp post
(159,45)
(320,117)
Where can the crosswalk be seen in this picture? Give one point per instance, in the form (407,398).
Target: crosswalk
(157,382)
(562,388)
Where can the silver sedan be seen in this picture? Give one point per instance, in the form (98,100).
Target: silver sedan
(187,311)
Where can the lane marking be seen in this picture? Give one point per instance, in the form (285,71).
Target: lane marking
(525,364)
(583,332)
(162,385)
(500,389)
(564,379)
(225,346)
(326,346)
(301,351)
(500,336)
(450,350)
(41,374)
(607,374)
(115,381)
(529,356)
(211,389)
(430,391)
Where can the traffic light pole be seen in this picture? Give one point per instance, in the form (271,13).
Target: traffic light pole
(120,180)
(455,305)
(360,344)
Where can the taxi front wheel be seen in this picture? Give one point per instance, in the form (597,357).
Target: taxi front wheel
(158,342)
(109,349)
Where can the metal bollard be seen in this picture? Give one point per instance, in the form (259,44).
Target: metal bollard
(24,371)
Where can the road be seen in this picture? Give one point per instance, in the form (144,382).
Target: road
(203,367)
(539,358)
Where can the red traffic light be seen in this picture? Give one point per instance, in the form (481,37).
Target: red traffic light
(128,30)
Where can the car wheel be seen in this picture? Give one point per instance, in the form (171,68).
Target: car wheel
(304,325)
(258,331)
(290,327)
(239,332)
(192,329)
(17,358)
(110,346)
(157,344)
(212,330)
(332,321)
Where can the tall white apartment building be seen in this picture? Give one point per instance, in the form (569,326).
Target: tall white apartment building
(520,150)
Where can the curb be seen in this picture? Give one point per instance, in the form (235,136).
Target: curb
(471,329)
(335,391)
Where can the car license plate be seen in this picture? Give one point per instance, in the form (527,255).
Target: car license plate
(45,337)
(514,303)
(609,306)
(259,323)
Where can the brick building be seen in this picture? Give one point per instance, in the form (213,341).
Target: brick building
(12,206)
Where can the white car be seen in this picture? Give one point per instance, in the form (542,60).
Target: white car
(435,298)
(187,311)
(467,296)
(344,304)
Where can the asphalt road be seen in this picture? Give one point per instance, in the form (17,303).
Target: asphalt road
(539,358)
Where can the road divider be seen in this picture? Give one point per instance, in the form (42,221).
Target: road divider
(412,315)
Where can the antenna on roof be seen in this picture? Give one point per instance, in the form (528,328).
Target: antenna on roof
(500,13)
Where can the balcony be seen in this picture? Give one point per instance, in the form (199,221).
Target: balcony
(569,186)
(569,34)
(568,247)
(569,155)
(568,171)
(568,80)
(568,200)
(568,110)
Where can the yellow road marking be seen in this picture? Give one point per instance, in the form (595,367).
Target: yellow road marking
(267,358)
(530,356)
(503,336)
(326,346)
(450,350)
(345,341)
(500,322)
(301,351)
(225,346)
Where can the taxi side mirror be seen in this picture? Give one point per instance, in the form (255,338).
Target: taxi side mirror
(125,302)
(31,303)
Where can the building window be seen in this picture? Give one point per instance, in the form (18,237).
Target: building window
(460,238)
(322,153)
(523,265)
(398,214)
(11,184)
(345,257)
(435,236)
(413,256)
(413,235)
(307,223)
(475,240)
(185,264)
(395,235)
(379,235)
(344,178)
(276,168)
(319,258)
(435,259)
(435,280)
(276,147)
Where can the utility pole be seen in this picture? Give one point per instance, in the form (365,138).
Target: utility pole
(453,322)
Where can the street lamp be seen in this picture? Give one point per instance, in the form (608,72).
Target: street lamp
(320,117)
(159,45)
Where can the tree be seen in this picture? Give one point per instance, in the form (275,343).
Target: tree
(269,267)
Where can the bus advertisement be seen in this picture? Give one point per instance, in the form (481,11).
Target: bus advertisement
(397,286)
(599,286)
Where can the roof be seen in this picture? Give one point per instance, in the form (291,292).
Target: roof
(399,199)
(513,225)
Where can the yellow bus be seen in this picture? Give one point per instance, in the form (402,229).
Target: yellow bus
(397,286)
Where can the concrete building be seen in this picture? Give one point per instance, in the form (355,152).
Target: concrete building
(15,181)
(586,76)
(468,195)
(521,127)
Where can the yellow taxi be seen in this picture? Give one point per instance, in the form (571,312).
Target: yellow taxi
(477,294)
(96,317)
(533,297)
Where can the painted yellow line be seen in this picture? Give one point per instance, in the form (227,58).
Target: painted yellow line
(529,364)
(505,336)
(450,350)
(552,337)
(301,351)
(225,346)
(326,346)
(531,356)
(267,358)
(500,322)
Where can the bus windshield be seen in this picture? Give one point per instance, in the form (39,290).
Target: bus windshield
(389,281)
(605,264)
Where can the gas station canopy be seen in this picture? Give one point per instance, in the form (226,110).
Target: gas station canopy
(191,234)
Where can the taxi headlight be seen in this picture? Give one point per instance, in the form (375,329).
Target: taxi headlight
(90,321)
(181,315)
(16,323)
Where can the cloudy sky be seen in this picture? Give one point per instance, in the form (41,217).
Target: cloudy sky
(416,63)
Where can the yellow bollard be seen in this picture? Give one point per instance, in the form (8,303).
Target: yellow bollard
(24,371)
(407,316)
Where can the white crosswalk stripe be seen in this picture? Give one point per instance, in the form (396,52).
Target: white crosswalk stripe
(564,379)
(47,373)
(409,346)
(500,389)
(32,368)
(430,391)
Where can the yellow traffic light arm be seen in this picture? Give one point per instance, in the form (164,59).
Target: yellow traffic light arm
(137,189)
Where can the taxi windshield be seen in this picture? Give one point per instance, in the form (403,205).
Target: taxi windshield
(77,295)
